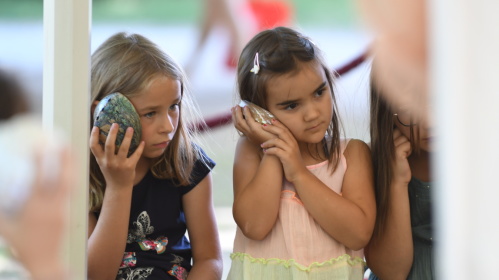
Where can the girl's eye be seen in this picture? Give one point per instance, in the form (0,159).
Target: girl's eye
(320,92)
(291,106)
(149,115)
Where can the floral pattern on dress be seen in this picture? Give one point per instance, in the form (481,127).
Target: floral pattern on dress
(178,272)
(129,260)
(140,273)
(141,228)
(159,244)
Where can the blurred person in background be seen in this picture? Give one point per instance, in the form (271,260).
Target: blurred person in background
(400,47)
(242,19)
(33,214)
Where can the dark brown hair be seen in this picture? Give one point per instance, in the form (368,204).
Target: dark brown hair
(280,50)
(12,96)
(383,150)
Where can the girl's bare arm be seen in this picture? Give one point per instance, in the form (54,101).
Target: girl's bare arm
(349,217)
(390,254)
(257,190)
(107,235)
(203,233)
(257,178)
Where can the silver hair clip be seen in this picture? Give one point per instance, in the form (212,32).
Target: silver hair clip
(256,65)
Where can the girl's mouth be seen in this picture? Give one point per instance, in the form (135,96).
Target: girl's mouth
(162,144)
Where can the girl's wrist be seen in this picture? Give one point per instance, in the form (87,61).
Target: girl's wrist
(400,184)
(300,177)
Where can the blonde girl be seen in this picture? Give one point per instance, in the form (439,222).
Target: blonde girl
(141,206)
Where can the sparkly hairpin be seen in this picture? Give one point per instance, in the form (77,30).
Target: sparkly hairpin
(256,65)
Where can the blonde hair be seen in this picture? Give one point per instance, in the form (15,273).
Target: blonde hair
(126,63)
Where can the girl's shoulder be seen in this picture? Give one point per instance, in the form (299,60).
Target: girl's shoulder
(349,144)
(202,160)
(353,142)
(354,149)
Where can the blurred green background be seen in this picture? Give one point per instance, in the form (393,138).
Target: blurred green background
(315,12)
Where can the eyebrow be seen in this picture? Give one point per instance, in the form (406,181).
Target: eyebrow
(156,107)
(287,102)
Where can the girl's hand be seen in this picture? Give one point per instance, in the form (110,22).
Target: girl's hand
(117,168)
(284,146)
(400,165)
(246,124)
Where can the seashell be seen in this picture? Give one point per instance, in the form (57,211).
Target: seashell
(259,114)
(116,108)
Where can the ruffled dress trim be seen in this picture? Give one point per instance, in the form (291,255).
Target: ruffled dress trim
(341,260)
(245,267)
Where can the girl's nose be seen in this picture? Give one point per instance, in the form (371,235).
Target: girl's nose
(167,125)
(312,111)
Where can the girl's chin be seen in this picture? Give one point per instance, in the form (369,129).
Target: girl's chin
(153,154)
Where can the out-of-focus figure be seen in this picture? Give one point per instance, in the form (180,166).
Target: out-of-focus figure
(35,180)
(400,47)
(242,19)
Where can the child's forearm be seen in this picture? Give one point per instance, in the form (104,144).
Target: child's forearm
(107,242)
(390,254)
(256,206)
(339,217)
(209,269)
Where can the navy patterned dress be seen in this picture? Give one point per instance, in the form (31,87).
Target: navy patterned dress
(157,247)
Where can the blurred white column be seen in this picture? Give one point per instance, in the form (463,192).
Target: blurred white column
(464,71)
(66,81)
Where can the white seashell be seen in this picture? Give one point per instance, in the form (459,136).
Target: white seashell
(259,114)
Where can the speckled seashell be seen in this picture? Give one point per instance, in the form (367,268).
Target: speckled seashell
(116,108)
(259,114)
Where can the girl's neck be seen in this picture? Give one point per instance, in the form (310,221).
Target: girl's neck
(141,169)
(420,165)
(312,153)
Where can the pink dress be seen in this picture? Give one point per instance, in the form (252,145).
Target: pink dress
(297,247)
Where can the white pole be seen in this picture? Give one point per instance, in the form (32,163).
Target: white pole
(66,81)
(464,69)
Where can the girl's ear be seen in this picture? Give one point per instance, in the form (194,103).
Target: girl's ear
(92,107)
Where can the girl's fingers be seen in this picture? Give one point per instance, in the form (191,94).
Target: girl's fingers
(110,145)
(402,143)
(138,152)
(275,143)
(239,121)
(248,117)
(280,130)
(95,147)
(399,138)
(125,144)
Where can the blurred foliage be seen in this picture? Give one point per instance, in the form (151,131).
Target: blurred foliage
(21,9)
(307,12)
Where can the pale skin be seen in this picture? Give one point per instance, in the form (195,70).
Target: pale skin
(302,101)
(390,255)
(401,51)
(158,108)
(35,234)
